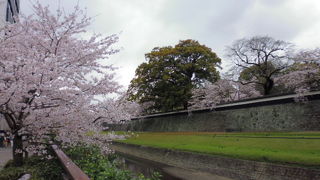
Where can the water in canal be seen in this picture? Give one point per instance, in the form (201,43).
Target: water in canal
(147,168)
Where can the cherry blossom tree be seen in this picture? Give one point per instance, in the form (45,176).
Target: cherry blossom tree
(222,91)
(131,108)
(304,74)
(50,78)
(119,109)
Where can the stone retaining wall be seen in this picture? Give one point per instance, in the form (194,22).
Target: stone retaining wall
(264,114)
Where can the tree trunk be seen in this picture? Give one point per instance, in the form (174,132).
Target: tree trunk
(268,86)
(185,106)
(17,150)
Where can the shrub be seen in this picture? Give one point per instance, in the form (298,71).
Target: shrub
(39,168)
(88,158)
(98,166)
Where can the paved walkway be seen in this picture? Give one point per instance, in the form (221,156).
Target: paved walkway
(5,155)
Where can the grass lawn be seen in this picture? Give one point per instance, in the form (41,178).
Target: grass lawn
(296,148)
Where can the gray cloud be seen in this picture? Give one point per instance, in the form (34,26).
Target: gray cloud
(145,24)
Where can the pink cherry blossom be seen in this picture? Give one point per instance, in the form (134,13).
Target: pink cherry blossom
(222,91)
(50,79)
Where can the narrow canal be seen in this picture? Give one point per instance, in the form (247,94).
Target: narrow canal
(147,168)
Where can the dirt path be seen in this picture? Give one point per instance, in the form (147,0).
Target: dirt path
(5,155)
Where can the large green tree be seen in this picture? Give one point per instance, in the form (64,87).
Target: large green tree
(165,81)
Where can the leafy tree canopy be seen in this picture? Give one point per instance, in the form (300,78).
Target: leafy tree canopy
(256,73)
(165,81)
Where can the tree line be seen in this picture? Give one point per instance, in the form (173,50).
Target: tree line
(186,76)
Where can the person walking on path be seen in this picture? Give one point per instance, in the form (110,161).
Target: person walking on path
(1,139)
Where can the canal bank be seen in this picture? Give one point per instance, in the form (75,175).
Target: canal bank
(148,168)
(216,165)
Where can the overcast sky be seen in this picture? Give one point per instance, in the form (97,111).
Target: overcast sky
(145,24)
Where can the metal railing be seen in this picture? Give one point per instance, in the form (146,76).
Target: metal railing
(72,170)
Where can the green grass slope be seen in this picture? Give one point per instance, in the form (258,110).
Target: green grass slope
(298,148)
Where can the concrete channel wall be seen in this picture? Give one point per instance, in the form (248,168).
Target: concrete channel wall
(222,166)
(280,113)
